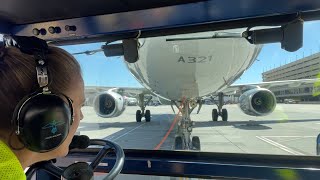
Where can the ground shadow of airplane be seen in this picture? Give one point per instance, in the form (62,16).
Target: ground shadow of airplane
(250,124)
(162,122)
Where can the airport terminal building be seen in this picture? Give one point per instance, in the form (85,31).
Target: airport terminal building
(305,68)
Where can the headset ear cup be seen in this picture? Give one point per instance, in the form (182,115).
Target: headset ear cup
(44,122)
(15,120)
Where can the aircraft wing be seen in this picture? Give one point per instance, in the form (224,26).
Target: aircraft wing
(124,91)
(131,92)
(233,89)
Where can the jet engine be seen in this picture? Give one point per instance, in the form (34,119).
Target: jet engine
(257,102)
(109,104)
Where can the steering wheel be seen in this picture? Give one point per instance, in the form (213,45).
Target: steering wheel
(82,170)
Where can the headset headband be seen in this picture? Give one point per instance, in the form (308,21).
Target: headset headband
(36,47)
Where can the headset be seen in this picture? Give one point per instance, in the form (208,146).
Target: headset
(42,119)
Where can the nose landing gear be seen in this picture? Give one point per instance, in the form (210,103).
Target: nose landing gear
(183,140)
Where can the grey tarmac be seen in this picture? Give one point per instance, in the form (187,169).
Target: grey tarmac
(290,130)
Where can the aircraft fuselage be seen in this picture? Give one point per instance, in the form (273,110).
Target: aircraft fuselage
(191,68)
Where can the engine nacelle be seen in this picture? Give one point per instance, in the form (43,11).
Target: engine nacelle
(257,102)
(109,104)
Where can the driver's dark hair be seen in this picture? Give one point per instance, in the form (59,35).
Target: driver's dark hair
(18,78)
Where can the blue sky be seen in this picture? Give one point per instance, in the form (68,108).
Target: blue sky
(101,71)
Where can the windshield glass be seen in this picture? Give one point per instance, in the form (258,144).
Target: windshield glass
(139,106)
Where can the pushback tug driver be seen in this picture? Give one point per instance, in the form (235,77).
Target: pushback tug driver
(41,95)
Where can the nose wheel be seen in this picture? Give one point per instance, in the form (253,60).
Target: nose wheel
(180,144)
(196,143)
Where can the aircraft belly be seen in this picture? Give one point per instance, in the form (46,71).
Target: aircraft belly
(190,68)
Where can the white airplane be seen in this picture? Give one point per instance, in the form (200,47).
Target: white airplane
(185,68)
